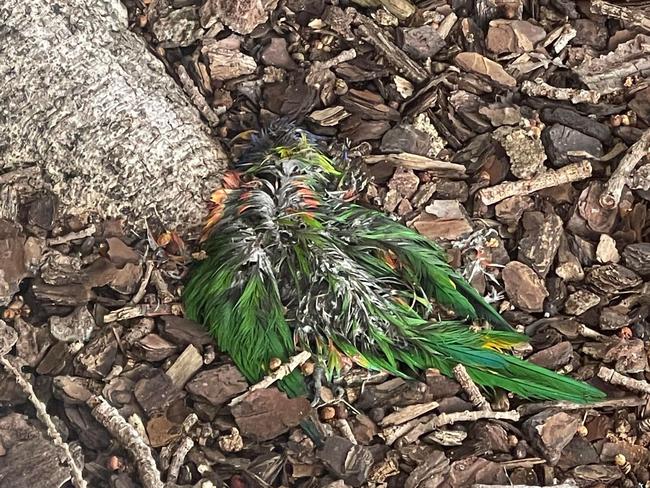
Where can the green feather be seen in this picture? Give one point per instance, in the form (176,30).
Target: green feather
(291,266)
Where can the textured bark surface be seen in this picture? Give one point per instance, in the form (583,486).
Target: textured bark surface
(84,100)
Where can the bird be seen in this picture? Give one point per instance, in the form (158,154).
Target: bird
(292,263)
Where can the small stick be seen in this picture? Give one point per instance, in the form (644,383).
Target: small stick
(451,418)
(344,427)
(379,39)
(549,179)
(135,311)
(614,378)
(43,416)
(539,88)
(196,97)
(611,196)
(468,385)
(142,290)
(278,374)
(632,17)
(588,333)
(72,236)
(391,434)
(408,413)
(179,458)
(162,288)
(561,485)
(128,437)
(618,403)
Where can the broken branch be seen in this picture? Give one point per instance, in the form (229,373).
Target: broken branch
(549,179)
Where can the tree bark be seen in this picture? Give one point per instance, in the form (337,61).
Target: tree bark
(83,99)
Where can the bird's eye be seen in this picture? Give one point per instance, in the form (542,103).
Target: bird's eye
(302,225)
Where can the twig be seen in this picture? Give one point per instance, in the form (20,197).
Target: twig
(43,416)
(562,485)
(196,97)
(408,413)
(72,236)
(377,38)
(588,333)
(617,403)
(135,311)
(611,196)
(632,17)
(179,458)
(161,287)
(344,427)
(142,290)
(468,385)
(119,428)
(391,434)
(549,179)
(611,376)
(539,88)
(451,418)
(278,374)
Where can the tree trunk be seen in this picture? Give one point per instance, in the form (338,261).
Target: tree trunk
(83,99)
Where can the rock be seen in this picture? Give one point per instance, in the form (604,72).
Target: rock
(475,63)
(345,460)
(634,454)
(541,240)
(183,331)
(590,33)
(450,190)
(430,471)
(598,219)
(573,119)
(225,61)
(96,359)
(612,278)
(640,104)
(395,392)
(121,254)
(550,432)
(78,326)
(473,470)
(579,302)
(524,288)
(157,393)
(404,182)
(614,317)
(628,356)
(637,258)
(275,54)
(501,114)
(440,386)
(265,414)
(420,42)
(12,260)
(179,28)
(526,153)
(559,140)
(161,431)
(513,36)
(606,251)
(153,348)
(578,452)
(32,460)
(241,16)
(568,266)
(406,138)
(596,475)
(553,357)
(8,338)
(218,385)
(510,210)
(490,436)
(444,219)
